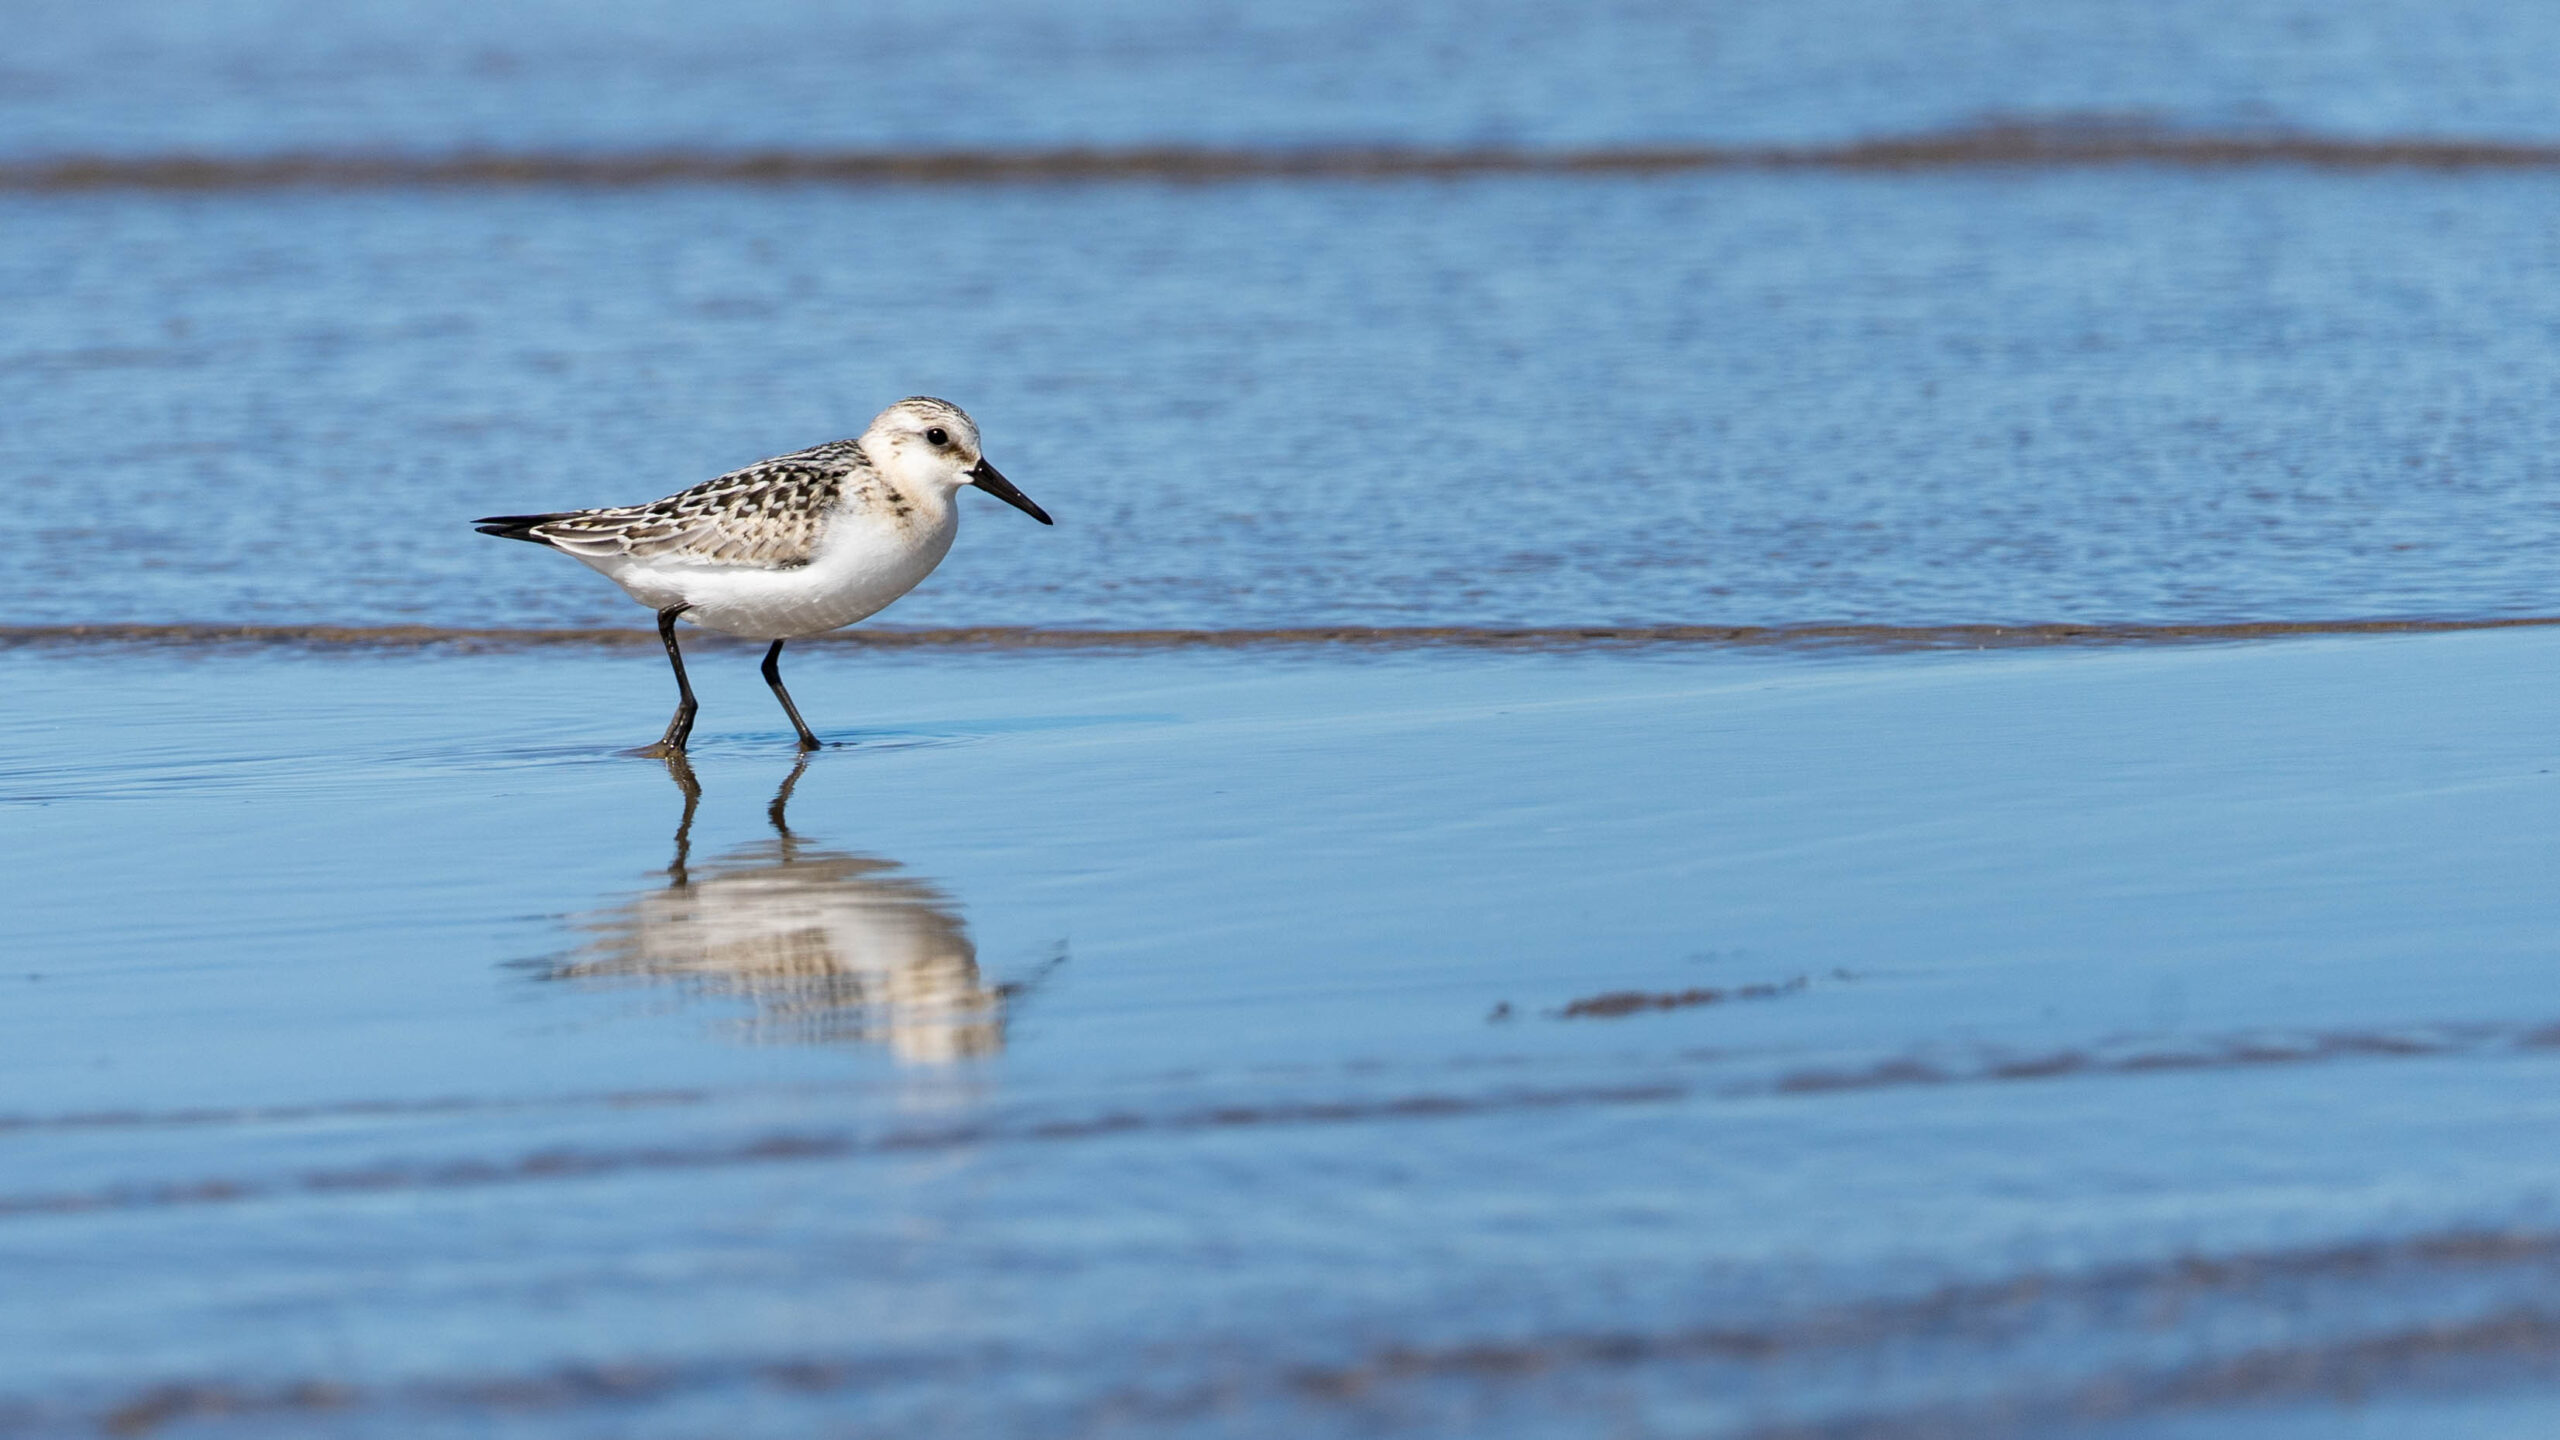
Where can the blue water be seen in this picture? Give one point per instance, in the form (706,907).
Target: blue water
(2109,395)
(1187,1044)
(2112,394)
(226,76)
(1283,1041)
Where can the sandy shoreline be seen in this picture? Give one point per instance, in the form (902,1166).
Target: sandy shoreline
(1870,638)
(2063,142)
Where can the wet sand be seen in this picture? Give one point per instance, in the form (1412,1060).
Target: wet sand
(1878,639)
(2009,144)
(1737,1042)
(1745,722)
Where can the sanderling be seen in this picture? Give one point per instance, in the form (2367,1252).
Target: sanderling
(796,545)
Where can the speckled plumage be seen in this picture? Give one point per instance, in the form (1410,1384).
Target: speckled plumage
(796,545)
(772,513)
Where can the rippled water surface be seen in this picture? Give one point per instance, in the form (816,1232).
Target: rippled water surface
(1959,394)
(226,75)
(1254,1039)
(2102,395)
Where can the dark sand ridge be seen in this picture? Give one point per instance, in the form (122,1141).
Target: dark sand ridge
(2513,1344)
(1843,636)
(557,1164)
(2044,143)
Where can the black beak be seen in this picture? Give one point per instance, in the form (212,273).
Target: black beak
(988,478)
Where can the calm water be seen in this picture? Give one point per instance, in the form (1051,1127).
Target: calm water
(1280,1041)
(1175,1045)
(150,76)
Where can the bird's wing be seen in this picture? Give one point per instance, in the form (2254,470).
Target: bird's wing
(772,513)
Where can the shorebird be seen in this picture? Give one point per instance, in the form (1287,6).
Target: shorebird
(796,545)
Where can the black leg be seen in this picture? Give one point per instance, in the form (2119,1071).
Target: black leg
(679,728)
(682,774)
(782,800)
(773,677)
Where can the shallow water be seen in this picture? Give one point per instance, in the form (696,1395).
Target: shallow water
(1745,398)
(1190,1043)
(1966,395)
(251,75)
(1270,1039)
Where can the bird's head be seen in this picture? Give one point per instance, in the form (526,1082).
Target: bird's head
(933,444)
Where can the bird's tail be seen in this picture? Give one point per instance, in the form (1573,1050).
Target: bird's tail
(518,527)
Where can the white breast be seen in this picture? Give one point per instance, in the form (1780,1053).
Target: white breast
(869,557)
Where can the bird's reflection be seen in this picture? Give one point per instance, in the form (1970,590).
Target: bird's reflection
(829,947)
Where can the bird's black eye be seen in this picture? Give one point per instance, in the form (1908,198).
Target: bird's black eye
(938,436)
